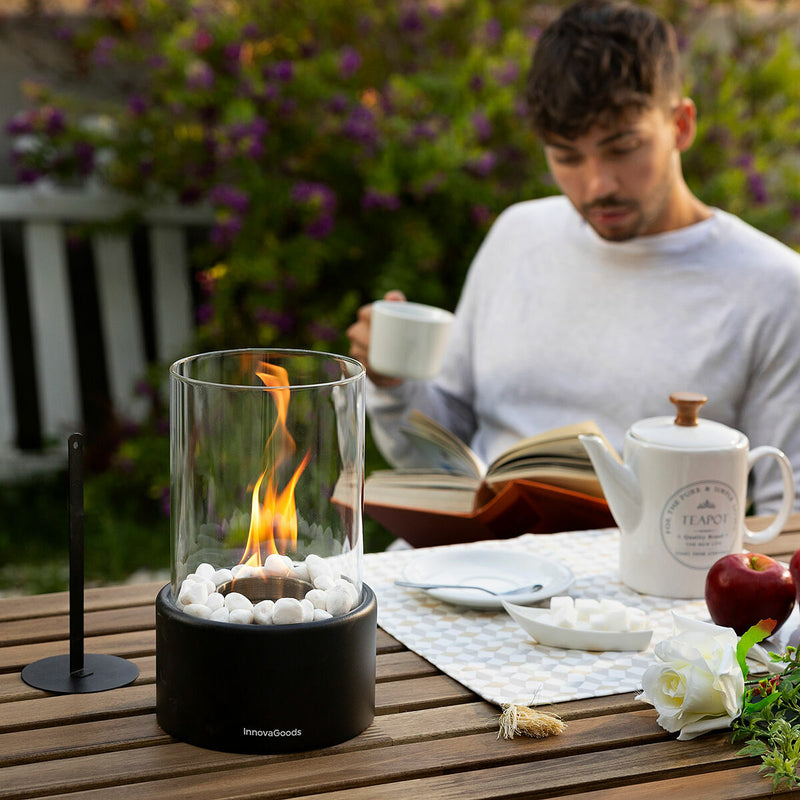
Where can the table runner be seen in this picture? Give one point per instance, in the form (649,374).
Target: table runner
(490,654)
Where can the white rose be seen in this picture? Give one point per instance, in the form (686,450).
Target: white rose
(698,686)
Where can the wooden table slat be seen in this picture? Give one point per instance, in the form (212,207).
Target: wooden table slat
(78,739)
(744,783)
(125,645)
(13,688)
(437,690)
(51,711)
(95,623)
(717,785)
(394,666)
(94,599)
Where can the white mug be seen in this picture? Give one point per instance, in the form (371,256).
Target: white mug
(408,340)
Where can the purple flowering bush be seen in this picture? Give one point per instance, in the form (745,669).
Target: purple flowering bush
(346,147)
(745,80)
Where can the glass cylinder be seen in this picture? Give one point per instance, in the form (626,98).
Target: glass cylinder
(267,462)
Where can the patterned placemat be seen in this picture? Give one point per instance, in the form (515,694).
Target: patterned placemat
(490,654)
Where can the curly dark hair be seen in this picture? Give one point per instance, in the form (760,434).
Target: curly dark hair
(597,60)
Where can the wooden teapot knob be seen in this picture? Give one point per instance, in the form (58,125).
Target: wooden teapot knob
(688,405)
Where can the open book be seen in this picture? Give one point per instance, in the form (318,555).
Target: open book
(542,484)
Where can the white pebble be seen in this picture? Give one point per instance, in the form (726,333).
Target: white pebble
(236,600)
(207,582)
(308,610)
(192,592)
(205,570)
(198,610)
(241,571)
(275,565)
(262,612)
(215,600)
(320,613)
(255,572)
(323,582)
(241,616)
(317,598)
(317,567)
(350,587)
(300,570)
(337,601)
(287,611)
(222,576)
(220,615)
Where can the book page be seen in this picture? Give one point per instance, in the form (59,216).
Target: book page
(561,445)
(434,491)
(441,449)
(559,441)
(574,478)
(419,477)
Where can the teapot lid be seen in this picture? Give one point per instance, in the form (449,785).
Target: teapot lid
(685,431)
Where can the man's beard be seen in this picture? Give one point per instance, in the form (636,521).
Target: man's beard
(631,228)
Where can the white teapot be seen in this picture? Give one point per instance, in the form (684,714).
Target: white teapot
(679,497)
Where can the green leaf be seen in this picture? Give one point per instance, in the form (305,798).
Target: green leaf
(757,633)
(753,748)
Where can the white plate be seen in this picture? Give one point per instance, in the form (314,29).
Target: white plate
(498,570)
(574,638)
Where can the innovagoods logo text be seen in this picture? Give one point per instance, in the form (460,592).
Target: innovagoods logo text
(276,732)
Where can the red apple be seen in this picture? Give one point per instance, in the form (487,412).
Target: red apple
(794,568)
(743,588)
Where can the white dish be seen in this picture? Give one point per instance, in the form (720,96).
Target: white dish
(498,570)
(529,619)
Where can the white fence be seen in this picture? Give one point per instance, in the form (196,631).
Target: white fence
(43,370)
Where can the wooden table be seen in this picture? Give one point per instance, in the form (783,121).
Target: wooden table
(431,737)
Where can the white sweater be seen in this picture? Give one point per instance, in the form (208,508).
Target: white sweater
(556,325)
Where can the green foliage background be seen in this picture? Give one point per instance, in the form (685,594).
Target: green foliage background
(347,147)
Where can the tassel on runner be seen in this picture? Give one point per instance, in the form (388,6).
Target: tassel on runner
(518,720)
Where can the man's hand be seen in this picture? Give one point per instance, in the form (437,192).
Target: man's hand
(358,333)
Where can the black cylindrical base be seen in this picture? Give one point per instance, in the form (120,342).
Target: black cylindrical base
(265,689)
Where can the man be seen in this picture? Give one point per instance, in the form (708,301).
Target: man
(601,302)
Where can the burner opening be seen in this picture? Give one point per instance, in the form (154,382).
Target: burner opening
(272,587)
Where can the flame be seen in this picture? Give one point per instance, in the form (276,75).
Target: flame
(273,519)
